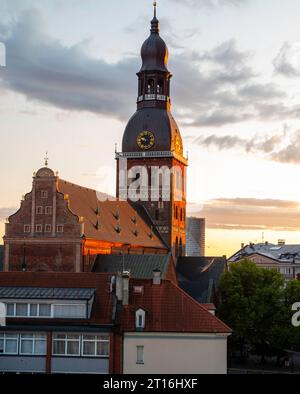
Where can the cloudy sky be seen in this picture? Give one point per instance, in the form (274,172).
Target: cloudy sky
(69,87)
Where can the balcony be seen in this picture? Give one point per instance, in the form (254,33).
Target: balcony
(151,154)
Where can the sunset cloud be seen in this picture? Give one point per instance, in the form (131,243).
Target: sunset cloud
(251,214)
(216,87)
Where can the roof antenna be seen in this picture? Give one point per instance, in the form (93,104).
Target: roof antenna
(46,159)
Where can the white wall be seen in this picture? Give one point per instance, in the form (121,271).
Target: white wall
(166,353)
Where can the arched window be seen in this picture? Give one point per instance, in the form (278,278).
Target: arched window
(160,86)
(150,86)
(176,247)
(140,319)
(180,247)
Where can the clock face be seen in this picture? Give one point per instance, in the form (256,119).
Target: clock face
(145,140)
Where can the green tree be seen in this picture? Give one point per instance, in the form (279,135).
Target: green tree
(251,303)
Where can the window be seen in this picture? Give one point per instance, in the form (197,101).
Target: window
(8,343)
(33,344)
(44,194)
(48,210)
(38,228)
(10,309)
(27,228)
(44,310)
(95,345)
(161,205)
(140,354)
(33,310)
(157,214)
(48,228)
(76,311)
(22,310)
(66,344)
(39,210)
(68,311)
(140,319)
(60,228)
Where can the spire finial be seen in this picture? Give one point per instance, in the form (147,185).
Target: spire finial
(46,159)
(155,22)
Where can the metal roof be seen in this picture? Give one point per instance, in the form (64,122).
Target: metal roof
(140,266)
(47,293)
(280,253)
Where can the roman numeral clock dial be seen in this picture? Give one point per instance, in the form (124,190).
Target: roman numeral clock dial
(145,140)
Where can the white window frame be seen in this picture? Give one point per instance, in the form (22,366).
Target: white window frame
(37,226)
(140,359)
(58,228)
(3,336)
(39,210)
(95,341)
(27,228)
(140,314)
(34,338)
(48,228)
(68,305)
(44,194)
(48,210)
(66,340)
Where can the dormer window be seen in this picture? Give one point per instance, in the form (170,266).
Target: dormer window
(140,319)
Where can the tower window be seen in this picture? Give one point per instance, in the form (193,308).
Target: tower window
(150,86)
(44,194)
(60,228)
(27,228)
(48,210)
(159,87)
(38,228)
(48,228)
(39,210)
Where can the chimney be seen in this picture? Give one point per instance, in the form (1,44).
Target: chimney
(122,287)
(281,242)
(242,245)
(125,287)
(157,276)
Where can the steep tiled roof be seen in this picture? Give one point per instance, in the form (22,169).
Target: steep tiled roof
(169,309)
(199,276)
(102,307)
(103,219)
(140,266)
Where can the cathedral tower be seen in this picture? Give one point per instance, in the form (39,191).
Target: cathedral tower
(152,150)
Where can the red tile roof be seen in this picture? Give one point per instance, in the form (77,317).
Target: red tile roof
(169,309)
(102,307)
(85,203)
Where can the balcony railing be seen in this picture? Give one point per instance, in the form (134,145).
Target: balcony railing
(153,96)
(151,154)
